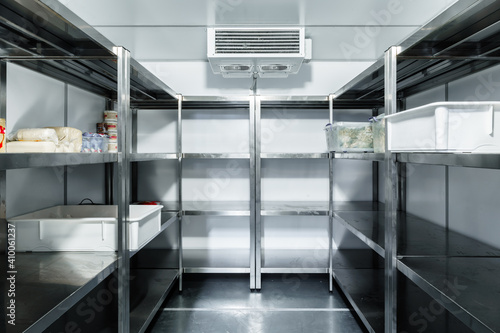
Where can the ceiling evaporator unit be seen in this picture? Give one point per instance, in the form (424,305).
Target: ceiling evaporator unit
(269,52)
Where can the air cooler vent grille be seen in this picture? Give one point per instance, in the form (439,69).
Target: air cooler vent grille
(257,41)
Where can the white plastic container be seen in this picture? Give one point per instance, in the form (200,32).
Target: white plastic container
(84,228)
(349,137)
(461,127)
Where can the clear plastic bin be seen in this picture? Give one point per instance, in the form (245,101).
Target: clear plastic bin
(349,137)
(378,128)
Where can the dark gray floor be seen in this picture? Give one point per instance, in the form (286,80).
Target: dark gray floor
(224,304)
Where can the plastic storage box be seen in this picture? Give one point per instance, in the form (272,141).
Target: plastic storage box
(467,127)
(83,228)
(349,137)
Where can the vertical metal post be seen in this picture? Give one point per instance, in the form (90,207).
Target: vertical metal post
(65,123)
(179,185)
(375,166)
(124,144)
(391,199)
(108,183)
(331,156)
(258,197)
(3,173)
(253,212)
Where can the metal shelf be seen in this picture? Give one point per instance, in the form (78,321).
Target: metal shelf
(142,157)
(294,155)
(218,208)
(167,218)
(417,237)
(305,261)
(467,287)
(485,161)
(48,284)
(360,156)
(216,155)
(158,283)
(68,49)
(282,208)
(216,261)
(10,161)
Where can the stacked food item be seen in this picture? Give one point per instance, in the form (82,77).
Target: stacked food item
(45,140)
(110,128)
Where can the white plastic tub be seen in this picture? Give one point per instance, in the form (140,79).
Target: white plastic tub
(84,228)
(467,127)
(349,137)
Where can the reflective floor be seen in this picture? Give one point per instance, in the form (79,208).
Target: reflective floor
(224,304)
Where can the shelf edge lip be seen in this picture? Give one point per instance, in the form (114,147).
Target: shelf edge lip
(294,155)
(368,156)
(144,157)
(10,161)
(192,212)
(73,298)
(216,155)
(294,270)
(485,161)
(450,305)
(217,270)
(289,212)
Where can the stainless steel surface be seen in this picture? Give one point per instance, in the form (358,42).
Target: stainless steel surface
(281,208)
(258,195)
(220,208)
(253,188)
(123,181)
(180,99)
(330,105)
(485,161)
(47,284)
(294,98)
(159,282)
(330,217)
(295,303)
(467,287)
(217,155)
(360,156)
(217,259)
(391,197)
(3,173)
(375,182)
(168,218)
(227,98)
(364,288)
(42,160)
(402,186)
(293,155)
(295,270)
(141,157)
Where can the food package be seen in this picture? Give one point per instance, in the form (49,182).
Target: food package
(31,147)
(2,135)
(94,143)
(349,137)
(70,139)
(34,134)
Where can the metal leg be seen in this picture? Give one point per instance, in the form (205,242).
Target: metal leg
(3,173)
(123,99)
(330,224)
(253,211)
(179,184)
(258,203)
(391,200)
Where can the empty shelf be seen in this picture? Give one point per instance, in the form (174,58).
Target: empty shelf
(141,157)
(294,155)
(216,261)
(216,155)
(221,208)
(295,261)
(360,156)
(157,284)
(41,160)
(488,161)
(467,287)
(48,284)
(280,208)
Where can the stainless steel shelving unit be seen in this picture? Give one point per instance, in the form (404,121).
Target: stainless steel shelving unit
(457,43)
(46,37)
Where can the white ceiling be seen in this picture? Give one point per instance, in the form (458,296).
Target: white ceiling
(163,33)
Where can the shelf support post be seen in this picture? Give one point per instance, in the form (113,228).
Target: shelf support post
(179,184)
(253,212)
(123,177)
(3,173)
(331,156)
(391,198)
(258,193)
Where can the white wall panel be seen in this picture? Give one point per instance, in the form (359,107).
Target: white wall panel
(430,96)
(295,232)
(216,180)
(157,131)
(482,86)
(33,101)
(215,232)
(157,181)
(213,131)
